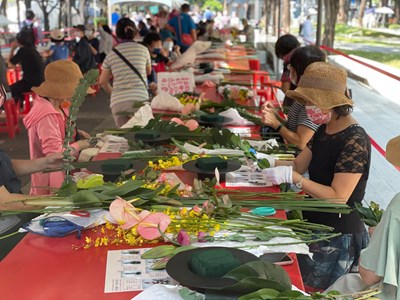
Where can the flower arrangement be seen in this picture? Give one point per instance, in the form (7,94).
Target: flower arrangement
(188,97)
(370,215)
(172,162)
(235,92)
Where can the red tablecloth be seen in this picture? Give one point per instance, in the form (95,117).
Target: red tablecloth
(44,268)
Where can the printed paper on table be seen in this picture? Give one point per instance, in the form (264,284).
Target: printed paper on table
(126,271)
(175,82)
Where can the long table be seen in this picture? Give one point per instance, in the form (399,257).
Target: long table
(44,268)
(49,268)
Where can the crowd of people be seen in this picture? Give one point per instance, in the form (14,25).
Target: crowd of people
(335,150)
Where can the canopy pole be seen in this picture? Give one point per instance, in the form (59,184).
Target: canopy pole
(319,23)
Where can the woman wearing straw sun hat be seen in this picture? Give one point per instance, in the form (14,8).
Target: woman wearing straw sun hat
(337,159)
(47,120)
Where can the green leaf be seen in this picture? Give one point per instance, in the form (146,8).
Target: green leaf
(264,235)
(85,196)
(182,248)
(162,263)
(259,274)
(236,238)
(187,294)
(125,189)
(67,189)
(158,252)
(262,294)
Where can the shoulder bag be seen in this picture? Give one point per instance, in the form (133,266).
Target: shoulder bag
(186,39)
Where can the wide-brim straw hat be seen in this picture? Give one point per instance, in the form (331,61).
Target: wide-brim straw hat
(61,79)
(393,151)
(323,85)
(57,35)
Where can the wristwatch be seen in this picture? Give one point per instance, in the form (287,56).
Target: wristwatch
(299,184)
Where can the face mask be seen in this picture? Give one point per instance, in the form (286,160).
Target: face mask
(168,45)
(156,50)
(77,39)
(316,115)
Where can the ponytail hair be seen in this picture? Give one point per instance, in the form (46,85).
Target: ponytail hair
(126,29)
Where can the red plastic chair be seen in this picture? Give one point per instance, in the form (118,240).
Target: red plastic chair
(11,124)
(97,86)
(28,102)
(254,64)
(11,76)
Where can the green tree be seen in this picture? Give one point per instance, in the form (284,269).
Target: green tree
(214,5)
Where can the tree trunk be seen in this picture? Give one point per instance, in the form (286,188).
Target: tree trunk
(343,15)
(277,17)
(331,11)
(396,11)
(272,15)
(286,16)
(46,20)
(82,10)
(28,4)
(361,13)
(3,7)
(268,15)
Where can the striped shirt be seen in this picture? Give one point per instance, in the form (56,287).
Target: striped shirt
(127,86)
(297,115)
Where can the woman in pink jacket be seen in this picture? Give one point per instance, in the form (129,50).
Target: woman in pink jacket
(46,121)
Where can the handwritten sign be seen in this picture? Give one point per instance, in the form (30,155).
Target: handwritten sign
(175,82)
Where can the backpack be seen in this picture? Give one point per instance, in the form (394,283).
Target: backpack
(33,31)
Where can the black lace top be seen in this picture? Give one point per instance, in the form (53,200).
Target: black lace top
(348,151)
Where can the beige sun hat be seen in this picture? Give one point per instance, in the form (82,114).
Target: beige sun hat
(57,35)
(393,151)
(323,85)
(61,79)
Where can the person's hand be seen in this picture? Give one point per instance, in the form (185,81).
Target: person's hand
(83,134)
(267,104)
(371,230)
(164,52)
(278,175)
(83,144)
(153,88)
(53,161)
(177,50)
(268,117)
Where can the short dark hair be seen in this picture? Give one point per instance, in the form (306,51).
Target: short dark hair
(151,37)
(304,56)
(126,29)
(285,44)
(107,29)
(29,14)
(185,7)
(343,110)
(25,37)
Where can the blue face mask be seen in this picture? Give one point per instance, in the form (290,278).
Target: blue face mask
(156,50)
